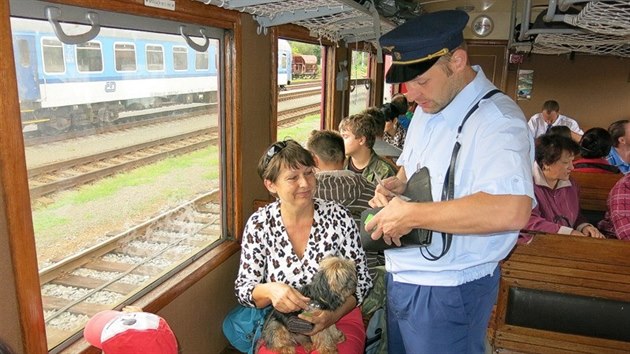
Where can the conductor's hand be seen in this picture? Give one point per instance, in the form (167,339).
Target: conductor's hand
(389,223)
(386,190)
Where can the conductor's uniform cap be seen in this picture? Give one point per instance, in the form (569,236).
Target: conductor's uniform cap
(418,43)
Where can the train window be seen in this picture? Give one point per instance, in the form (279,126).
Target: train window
(89,57)
(23,53)
(125,56)
(126,171)
(180,58)
(202,61)
(300,86)
(388,89)
(52,52)
(155,57)
(359,82)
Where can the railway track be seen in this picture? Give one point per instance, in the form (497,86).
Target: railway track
(139,118)
(68,174)
(112,271)
(51,178)
(134,119)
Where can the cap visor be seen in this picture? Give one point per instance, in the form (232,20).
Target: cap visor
(399,73)
(94,327)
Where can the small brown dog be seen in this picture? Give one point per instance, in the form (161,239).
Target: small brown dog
(331,286)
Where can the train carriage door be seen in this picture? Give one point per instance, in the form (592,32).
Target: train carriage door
(299,106)
(26,68)
(360,81)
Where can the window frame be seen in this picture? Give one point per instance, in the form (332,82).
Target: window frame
(135,57)
(177,54)
(19,232)
(63,56)
(146,53)
(206,54)
(76,57)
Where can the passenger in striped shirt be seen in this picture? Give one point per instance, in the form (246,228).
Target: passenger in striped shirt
(345,187)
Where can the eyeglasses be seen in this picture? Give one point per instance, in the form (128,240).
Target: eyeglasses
(273,151)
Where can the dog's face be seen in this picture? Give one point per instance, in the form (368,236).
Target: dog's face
(334,282)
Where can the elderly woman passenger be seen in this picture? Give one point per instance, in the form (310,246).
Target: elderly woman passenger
(558,207)
(284,242)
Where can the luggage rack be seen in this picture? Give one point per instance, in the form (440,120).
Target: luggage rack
(334,20)
(600,28)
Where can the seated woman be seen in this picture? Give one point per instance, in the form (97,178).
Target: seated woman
(284,242)
(558,209)
(595,146)
(616,222)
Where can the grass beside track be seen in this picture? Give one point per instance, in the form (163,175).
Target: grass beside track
(112,203)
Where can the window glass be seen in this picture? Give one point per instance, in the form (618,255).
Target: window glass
(155,58)
(359,82)
(52,51)
(388,89)
(300,89)
(125,56)
(180,58)
(89,57)
(23,53)
(125,175)
(202,61)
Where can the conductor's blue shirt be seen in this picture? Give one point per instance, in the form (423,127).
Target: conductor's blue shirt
(496,157)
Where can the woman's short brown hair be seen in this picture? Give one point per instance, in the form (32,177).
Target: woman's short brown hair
(288,153)
(549,148)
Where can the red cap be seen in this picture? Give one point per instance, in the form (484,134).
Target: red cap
(118,332)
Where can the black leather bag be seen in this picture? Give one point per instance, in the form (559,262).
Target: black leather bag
(418,190)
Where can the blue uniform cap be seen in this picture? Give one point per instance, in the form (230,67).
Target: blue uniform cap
(418,43)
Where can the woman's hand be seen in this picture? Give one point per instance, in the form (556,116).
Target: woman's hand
(321,319)
(591,231)
(576,233)
(283,297)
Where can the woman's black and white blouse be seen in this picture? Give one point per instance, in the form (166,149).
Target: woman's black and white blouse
(267,254)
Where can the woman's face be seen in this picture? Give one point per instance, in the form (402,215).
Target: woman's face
(294,186)
(561,169)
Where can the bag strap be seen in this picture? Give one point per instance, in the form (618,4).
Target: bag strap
(448,188)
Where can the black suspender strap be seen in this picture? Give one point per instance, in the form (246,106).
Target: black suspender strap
(448,188)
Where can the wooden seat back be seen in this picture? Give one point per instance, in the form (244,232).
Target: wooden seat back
(594,189)
(583,279)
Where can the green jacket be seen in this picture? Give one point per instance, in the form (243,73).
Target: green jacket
(377,166)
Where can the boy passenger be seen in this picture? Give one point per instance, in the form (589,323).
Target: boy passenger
(359,133)
(443,304)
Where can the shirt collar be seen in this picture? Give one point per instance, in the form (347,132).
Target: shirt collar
(455,111)
(539,179)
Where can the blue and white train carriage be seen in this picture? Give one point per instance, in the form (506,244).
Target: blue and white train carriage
(65,87)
